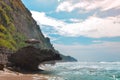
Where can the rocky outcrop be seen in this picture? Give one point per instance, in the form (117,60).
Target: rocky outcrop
(29,58)
(68,58)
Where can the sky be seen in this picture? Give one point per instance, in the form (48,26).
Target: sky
(88,30)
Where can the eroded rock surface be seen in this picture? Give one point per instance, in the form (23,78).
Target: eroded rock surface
(28,58)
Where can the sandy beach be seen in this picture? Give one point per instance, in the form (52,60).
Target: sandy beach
(10,75)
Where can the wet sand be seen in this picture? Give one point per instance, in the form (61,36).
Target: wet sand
(10,75)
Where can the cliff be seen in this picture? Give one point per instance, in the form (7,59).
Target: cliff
(17,25)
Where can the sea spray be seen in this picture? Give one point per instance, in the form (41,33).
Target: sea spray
(85,71)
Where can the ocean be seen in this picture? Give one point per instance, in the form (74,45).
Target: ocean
(84,71)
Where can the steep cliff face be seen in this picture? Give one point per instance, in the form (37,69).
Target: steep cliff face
(17,25)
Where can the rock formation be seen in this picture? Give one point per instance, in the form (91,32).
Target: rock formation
(29,57)
(68,59)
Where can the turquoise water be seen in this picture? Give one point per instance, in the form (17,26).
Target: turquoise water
(85,71)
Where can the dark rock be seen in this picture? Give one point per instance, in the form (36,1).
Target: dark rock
(28,58)
(68,58)
(1,66)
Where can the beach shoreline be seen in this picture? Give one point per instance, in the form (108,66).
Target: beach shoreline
(11,75)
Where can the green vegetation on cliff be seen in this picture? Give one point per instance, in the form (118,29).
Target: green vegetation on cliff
(9,37)
(6,40)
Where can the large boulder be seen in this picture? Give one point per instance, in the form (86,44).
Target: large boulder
(29,58)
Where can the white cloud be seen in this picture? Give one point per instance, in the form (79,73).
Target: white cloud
(94,27)
(41,18)
(103,5)
(66,6)
(106,51)
(97,27)
(75,20)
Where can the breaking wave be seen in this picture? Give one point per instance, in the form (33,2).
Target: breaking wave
(85,71)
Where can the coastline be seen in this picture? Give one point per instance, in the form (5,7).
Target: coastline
(11,75)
